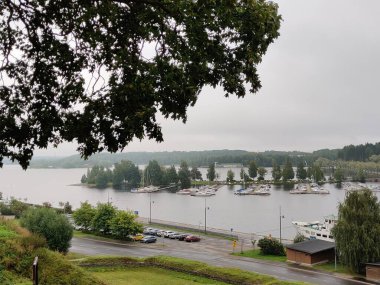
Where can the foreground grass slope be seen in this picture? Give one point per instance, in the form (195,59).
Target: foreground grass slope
(18,248)
(130,267)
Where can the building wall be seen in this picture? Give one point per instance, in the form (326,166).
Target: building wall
(373,272)
(305,258)
(297,256)
(323,256)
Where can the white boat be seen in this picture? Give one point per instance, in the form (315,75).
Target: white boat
(204,192)
(312,188)
(187,191)
(317,230)
(262,189)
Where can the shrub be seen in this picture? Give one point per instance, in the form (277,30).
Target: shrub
(299,238)
(271,246)
(54,227)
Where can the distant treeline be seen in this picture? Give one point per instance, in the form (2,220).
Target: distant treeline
(361,152)
(204,158)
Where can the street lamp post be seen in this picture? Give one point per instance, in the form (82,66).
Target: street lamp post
(281,217)
(150,207)
(206,208)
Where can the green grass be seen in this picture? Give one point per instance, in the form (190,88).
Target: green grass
(6,232)
(330,267)
(193,270)
(255,253)
(147,276)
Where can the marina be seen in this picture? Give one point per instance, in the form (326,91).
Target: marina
(253,214)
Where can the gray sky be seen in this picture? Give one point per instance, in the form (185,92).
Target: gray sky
(321,80)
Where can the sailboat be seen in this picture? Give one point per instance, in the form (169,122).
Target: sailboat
(146,189)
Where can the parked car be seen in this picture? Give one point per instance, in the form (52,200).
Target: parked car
(182,236)
(138,237)
(153,232)
(168,233)
(192,238)
(147,231)
(149,239)
(173,235)
(160,233)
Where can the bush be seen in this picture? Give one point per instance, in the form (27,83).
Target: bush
(54,227)
(299,238)
(271,246)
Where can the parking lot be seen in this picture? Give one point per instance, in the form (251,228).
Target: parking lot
(205,244)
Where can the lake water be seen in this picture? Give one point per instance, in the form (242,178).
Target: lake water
(250,214)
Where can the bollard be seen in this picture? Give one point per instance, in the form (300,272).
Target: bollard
(35,271)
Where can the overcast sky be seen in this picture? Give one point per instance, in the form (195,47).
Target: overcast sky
(321,86)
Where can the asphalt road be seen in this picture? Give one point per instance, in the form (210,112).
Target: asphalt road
(211,251)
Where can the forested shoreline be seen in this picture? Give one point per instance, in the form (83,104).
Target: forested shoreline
(365,152)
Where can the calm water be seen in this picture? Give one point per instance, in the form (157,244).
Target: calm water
(250,214)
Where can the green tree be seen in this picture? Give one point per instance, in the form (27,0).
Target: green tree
(299,238)
(339,175)
(287,171)
(276,171)
(101,180)
(301,171)
(184,175)
(17,207)
(243,175)
(125,172)
(84,216)
(102,218)
(153,174)
(124,223)
(83,179)
(211,172)
(172,175)
(261,171)
(359,176)
(55,227)
(252,169)
(317,173)
(230,175)
(195,174)
(197,43)
(357,232)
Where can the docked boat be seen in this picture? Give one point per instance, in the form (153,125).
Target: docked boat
(188,191)
(262,189)
(312,188)
(204,192)
(146,189)
(317,230)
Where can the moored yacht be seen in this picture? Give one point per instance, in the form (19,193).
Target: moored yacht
(317,230)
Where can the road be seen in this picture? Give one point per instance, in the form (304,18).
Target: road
(211,251)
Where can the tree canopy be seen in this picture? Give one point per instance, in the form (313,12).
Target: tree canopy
(357,232)
(98,72)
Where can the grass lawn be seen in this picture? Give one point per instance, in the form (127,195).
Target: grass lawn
(147,276)
(331,268)
(255,253)
(6,233)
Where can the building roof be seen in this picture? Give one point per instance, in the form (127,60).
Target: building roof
(312,246)
(373,263)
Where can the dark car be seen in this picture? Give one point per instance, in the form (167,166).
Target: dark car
(182,236)
(192,238)
(149,239)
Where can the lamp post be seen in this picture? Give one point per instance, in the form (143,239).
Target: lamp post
(206,208)
(150,207)
(281,217)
